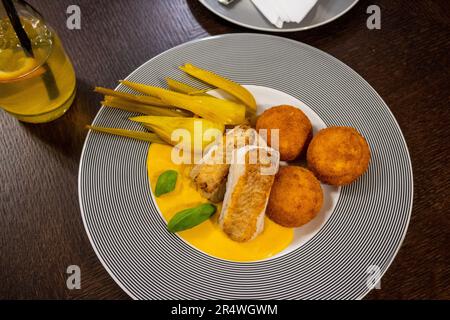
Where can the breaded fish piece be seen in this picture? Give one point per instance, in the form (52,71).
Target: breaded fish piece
(338,155)
(210,175)
(248,188)
(295,129)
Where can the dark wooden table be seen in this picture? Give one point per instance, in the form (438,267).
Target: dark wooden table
(407,62)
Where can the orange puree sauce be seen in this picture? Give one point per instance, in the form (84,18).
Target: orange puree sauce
(208,237)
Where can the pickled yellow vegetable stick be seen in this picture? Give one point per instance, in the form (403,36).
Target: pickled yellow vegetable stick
(179,86)
(165,126)
(145,108)
(211,108)
(199,92)
(144,136)
(142,108)
(223,83)
(153,91)
(131,106)
(111,92)
(131,97)
(214,109)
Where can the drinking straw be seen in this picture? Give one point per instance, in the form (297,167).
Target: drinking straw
(25,42)
(17,25)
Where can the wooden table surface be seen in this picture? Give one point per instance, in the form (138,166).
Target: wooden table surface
(407,62)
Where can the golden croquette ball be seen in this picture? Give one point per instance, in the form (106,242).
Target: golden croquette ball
(296,197)
(295,129)
(338,155)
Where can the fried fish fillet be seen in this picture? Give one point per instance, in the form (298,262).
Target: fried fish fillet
(210,175)
(249,183)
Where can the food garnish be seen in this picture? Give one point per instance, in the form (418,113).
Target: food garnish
(165,126)
(131,106)
(214,109)
(182,87)
(14,68)
(223,83)
(152,101)
(182,100)
(191,217)
(166,182)
(139,135)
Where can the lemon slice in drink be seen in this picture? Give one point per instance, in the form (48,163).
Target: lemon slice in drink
(17,66)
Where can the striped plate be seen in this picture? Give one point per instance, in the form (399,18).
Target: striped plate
(245,14)
(359,240)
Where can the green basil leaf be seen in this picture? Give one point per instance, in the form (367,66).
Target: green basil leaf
(191,217)
(166,182)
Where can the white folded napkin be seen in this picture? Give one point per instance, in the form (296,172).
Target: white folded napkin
(280,11)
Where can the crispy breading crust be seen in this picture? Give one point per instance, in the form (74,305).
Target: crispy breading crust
(338,155)
(296,197)
(295,129)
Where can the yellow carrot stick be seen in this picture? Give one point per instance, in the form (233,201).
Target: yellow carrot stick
(144,136)
(217,110)
(131,97)
(130,106)
(223,83)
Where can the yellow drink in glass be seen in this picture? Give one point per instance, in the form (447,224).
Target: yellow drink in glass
(34,89)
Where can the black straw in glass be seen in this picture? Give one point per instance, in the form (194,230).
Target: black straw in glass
(17,25)
(25,42)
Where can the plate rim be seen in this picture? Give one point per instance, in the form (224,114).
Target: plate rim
(336,60)
(276,30)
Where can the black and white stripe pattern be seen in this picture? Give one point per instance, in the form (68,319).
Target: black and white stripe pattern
(366,227)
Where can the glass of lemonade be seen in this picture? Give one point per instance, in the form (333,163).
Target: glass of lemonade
(37,87)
